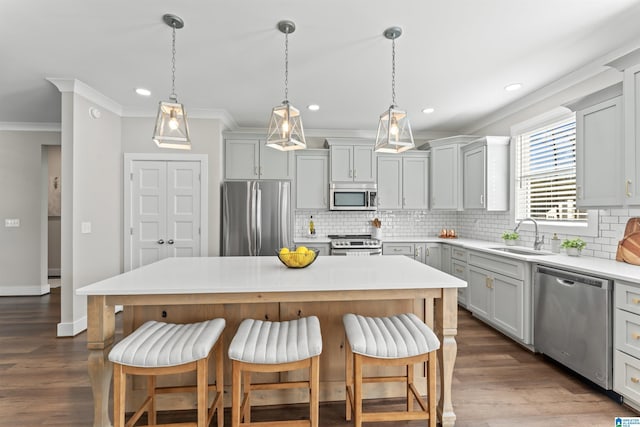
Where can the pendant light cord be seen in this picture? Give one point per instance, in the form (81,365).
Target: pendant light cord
(286,67)
(173,95)
(393,71)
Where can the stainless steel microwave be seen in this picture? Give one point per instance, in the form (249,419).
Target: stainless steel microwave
(353,197)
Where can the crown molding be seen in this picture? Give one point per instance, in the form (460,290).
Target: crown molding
(227,120)
(30,127)
(78,87)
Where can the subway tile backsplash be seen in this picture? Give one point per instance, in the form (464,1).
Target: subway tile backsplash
(471,224)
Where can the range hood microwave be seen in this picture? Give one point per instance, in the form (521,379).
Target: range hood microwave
(353,197)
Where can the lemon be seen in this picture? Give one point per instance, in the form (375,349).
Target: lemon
(284,251)
(302,250)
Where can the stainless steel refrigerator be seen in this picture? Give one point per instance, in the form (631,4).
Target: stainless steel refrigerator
(256,217)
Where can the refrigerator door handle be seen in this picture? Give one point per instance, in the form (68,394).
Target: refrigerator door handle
(252,219)
(258,220)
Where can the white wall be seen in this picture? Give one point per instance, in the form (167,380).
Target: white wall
(206,138)
(21,194)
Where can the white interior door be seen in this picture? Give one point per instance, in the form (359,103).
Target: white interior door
(183,209)
(165,213)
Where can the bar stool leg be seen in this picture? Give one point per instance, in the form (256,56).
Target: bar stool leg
(151,392)
(203,391)
(119,385)
(246,413)
(236,396)
(431,388)
(220,382)
(314,398)
(357,389)
(348,363)
(408,387)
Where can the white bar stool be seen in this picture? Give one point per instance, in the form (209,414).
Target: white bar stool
(400,340)
(260,346)
(158,348)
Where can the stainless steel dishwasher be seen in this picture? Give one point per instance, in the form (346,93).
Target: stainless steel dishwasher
(573,322)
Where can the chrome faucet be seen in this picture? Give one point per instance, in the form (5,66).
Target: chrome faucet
(539,241)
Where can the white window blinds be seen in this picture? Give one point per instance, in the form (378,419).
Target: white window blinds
(546,174)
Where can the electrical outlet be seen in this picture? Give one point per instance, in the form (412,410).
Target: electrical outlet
(12,222)
(85,227)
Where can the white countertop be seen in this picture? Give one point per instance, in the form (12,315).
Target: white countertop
(268,274)
(597,266)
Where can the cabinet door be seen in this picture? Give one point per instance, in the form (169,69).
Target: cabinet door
(508,304)
(631,89)
(415,179)
(363,164)
(474,178)
(389,182)
(599,144)
(342,163)
(479,292)
(444,177)
(445,258)
(407,249)
(312,183)
(459,270)
(433,255)
(242,159)
(275,164)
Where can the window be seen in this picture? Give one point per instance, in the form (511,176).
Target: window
(545,173)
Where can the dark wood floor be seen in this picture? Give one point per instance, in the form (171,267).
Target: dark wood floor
(44,381)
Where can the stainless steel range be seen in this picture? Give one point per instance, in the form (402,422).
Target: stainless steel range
(355,244)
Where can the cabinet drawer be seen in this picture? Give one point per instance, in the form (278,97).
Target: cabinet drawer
(459,269)
(398,249)
(460,254)
(627,332)
(626,375)
(627,297)
(501,265)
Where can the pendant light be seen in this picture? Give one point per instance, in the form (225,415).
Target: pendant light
(394,130)
(285,127)
(172,130)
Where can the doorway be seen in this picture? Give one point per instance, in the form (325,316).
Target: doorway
(165,207)
(54,187)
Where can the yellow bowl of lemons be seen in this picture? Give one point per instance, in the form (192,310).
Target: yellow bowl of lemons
(299,257)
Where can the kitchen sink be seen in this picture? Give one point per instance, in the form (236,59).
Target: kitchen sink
(521,251)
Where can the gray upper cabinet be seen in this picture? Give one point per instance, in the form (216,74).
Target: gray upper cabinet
(446,178)
(403,180)
(485,174)
(312,179)
(352,161)
(599,147)
(251,159)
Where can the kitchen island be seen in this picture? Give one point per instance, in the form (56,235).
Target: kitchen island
(187,289)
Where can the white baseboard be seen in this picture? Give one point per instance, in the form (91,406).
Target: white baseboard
(17,291)
(53,272)
(71,329)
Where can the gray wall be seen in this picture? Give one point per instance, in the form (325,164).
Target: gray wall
(206,138)
(53,246)
(21,164)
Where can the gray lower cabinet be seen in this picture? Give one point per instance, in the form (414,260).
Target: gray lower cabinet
(499,292)
(426,253)
(458,268)
(626,342)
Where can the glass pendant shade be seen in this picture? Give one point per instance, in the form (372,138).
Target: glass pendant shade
(394,132)
(172,130)
(285,128)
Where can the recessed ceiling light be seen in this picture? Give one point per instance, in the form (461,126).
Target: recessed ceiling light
(142,91)
(513,86)
(428,110)
(313,107)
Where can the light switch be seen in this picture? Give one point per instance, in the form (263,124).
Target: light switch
(85,227)
(12,222)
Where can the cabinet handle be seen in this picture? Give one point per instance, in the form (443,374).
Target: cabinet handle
(628,183)
(350,173)
(161,242)
(355,173)
(404,202)
(397,249)
(486,282)
(635,336)
(635,380)
(255,170)
(428,252)
(635,300)
(482,200)
(579,191)
(260,169)
(459,270)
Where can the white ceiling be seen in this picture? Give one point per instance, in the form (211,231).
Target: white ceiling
(454,55)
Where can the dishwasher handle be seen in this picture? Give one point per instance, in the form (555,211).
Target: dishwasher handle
(565,277)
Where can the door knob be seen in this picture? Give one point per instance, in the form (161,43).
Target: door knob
(161,242)
(170,241)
